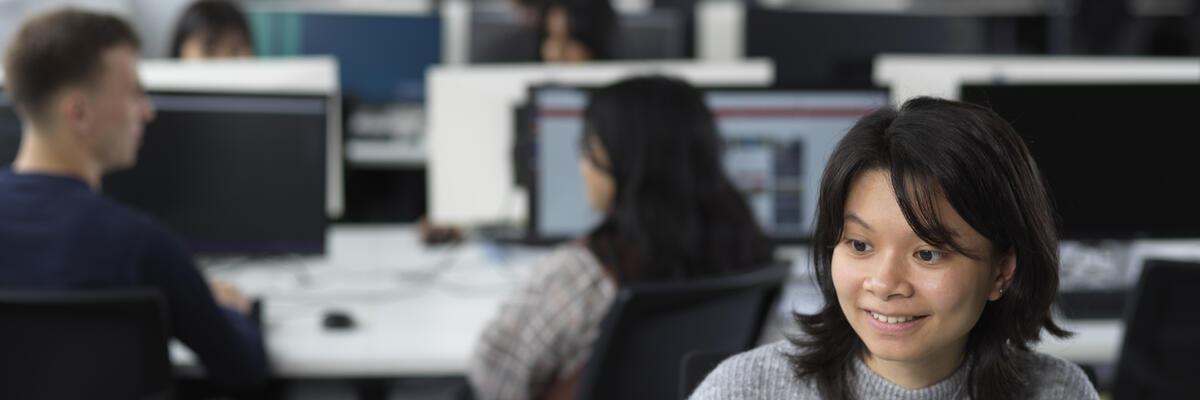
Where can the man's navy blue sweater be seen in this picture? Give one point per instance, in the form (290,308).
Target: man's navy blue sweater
(56,233)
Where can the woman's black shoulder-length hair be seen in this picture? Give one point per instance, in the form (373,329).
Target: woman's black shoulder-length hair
(211,18)
(972,158)
(674,213)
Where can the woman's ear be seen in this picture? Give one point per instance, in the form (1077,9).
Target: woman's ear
(1003,276)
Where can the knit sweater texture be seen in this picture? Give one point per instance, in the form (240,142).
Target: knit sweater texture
(765,373)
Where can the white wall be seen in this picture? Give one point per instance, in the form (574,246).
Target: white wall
(155,21)
(14,12)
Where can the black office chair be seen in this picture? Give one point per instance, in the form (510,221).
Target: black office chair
(109,344)
(650,327)
(696,366)
(1162,335)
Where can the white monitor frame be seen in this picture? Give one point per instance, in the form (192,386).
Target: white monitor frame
(269,76)
(912,75)
(470,131)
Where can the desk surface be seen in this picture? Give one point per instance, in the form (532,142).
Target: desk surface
(419,310)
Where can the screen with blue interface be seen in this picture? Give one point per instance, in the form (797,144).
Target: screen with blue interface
(776,144)
(381,58)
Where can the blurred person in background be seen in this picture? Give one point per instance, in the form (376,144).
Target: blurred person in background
(652,165)
(211,29)
(572,31)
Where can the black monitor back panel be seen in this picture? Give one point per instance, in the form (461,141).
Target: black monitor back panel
(228,173)
(1120,161)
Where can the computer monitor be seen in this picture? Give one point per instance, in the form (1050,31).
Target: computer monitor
(381,58)
(1119,160)
(835,50)
(913,75)
(229,173)
(470,114)
(498,35)
(776,144)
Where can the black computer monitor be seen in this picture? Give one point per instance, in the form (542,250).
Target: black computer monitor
(1120,161)
(776,146)
(837,50)
(498,35)
(229,173)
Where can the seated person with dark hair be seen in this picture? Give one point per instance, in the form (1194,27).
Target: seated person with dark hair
(652,165)
(211,29)
(72,77)
(576,31)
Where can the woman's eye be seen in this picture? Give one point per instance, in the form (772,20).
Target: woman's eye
(929,256)
(859,246)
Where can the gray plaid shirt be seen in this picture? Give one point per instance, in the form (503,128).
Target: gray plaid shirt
(545,329)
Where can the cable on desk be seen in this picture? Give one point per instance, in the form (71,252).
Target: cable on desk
(453,251)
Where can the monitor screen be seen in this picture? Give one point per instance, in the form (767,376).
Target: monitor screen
(776,144)
(1120,161)
(381,58)
(228,173)
(836,50)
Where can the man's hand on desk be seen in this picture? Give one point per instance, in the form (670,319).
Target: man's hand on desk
(230,296)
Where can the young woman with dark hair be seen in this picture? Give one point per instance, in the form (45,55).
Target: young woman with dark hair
(936,251)
(212,29)
(576,30)
(652,165)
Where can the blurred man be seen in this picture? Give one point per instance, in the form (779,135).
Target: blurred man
(72,77)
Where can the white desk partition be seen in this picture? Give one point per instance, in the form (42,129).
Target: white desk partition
(271,76)
(470,117)
(720,30)
(941,75)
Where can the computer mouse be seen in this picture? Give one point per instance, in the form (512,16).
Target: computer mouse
(337,320)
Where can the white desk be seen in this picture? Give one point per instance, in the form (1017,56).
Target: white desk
(418,310)
(1096,342)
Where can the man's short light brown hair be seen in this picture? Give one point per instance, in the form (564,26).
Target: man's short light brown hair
(59,49)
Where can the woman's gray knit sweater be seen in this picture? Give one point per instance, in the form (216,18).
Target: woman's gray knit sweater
(764,373)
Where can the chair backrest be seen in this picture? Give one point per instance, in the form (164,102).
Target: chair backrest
(696,366)
(1162,335)
(109,344)
(650,327)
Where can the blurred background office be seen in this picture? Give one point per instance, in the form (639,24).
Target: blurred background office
(384,46)
(374,114)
